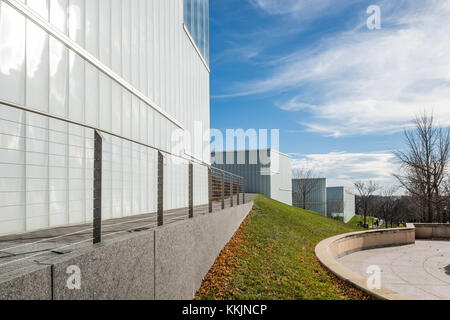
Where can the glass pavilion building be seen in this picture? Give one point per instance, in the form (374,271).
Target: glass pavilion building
(138,70)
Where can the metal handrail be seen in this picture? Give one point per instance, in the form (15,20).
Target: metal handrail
(233,182)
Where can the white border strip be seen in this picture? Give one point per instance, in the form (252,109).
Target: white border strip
(33,16)
(196,48)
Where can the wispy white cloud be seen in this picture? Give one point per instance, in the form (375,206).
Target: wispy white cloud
(294,104)
(293,7)
(368,81)
(342,169)
(279,6)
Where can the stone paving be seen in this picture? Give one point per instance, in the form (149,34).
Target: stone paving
(420,271)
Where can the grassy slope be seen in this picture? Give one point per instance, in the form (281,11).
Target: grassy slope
(357,218)
(276,258)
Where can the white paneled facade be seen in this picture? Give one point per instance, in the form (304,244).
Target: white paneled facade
(341,203)
(266,171)
(281,177)
(46,165)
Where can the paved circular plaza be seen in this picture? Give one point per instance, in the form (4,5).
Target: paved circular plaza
(420,271)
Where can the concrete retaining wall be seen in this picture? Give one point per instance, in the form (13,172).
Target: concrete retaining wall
(166,263)
(432,231)
(115,269)
(31,283)
(332,248)
(195,244)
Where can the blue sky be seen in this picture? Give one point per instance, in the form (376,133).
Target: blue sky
(340,94)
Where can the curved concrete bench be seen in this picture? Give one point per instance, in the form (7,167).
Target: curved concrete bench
(329,250)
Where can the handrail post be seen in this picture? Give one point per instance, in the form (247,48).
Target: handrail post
(210,190)
(222,189)
(97,219)
(191,190)
(243,191)
(231,190)
(238,190)
(160,189)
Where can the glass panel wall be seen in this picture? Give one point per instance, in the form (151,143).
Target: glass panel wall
(196,19)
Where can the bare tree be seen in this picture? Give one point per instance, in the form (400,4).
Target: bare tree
(403,211)
(424,165)
(417,211)
(388,204)
(306,183)
(366,192)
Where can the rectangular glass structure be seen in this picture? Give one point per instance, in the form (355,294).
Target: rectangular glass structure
(46,165)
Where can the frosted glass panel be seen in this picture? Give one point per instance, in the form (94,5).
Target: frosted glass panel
(116,30)
(12,55)
(37,86)
(92,95)
(105,31)
(126,39)
(105,102)
(77,21)
(76,87)
(196,19)
(58,61)
(92,27)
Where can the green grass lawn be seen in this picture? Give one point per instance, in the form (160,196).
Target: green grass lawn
(357,218)
(276,260)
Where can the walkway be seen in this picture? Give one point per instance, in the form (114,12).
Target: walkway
(16,250)
(420,271)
